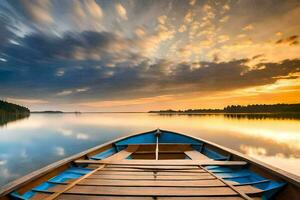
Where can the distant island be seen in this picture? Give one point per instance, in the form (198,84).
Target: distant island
(11,112)
(55,112)
(256,108)
(48,111)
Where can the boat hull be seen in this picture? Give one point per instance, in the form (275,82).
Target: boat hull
(159,157)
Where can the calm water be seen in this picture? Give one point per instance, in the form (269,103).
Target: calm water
(31,143)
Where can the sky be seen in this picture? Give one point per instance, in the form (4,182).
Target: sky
(134,55)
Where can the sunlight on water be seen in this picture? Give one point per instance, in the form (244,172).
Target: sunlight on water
(32,143)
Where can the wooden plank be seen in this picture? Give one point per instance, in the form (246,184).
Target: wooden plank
(161,156)
(146,177)
(150,168)
(153,191)
(72,184)
(161,173)
(153,183)
(171,147)
(196,155)
(130,169)
(248,189)
(91,197)
(200,198)
(146,191)
(124,153)
(241,193)
(162,162)
(155,168)
(39,195)
(153,152)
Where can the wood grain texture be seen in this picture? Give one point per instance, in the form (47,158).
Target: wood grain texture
(72,184)
(161,173)
(203,176)
(153,183)
(153,167)
(196,155)
(162,162)
(90,197)
(124,153)
(146,191)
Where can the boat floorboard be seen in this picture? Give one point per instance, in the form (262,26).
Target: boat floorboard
(160,173)
(153,183)
(200,176)
(161,162)
(145,191)
(154,167)
(196,155)
(39,196)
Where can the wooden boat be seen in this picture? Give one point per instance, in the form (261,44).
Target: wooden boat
(156,165)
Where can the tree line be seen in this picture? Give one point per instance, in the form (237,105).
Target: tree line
(7,108)
(255,108)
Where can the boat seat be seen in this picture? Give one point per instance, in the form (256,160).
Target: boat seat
(196,155)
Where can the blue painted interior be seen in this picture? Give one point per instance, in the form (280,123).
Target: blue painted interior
(166,137)
(104,154)
(219,169)
(198,146)
(169,137)
(213,155)
(245,176)
(71,173)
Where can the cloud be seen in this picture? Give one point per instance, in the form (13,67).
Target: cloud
(83,89)
(64,93)
(86,45)
(162,19)
(93,9)
(69,92)
(224,19)
(27,101)
(182,29)
(188,18)
(192,2)
(121,11)
(38,11)
(60,72)
(140,32)
(248,27)
(142,75)
(291,40)
(85,51)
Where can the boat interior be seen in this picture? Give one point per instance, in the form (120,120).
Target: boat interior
(154,165)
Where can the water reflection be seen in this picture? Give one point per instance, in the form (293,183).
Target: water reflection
(29,144)
(4,119)
(283,116)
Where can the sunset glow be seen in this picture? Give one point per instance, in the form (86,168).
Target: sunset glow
(135,55)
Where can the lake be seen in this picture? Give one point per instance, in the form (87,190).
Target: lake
(31,143)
